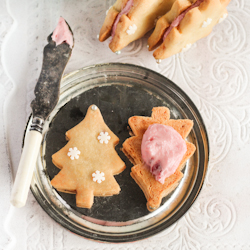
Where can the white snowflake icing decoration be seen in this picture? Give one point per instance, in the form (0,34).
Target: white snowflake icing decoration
(224,16)
(73,153)
(206,23)
(108,10)
(104,137)
(131,29)
(98,176)
(187,47)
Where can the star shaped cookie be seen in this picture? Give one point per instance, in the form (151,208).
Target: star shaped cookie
(88,161)
(153,190)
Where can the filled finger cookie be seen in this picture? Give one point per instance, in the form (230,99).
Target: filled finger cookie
(129,20)
(186,22)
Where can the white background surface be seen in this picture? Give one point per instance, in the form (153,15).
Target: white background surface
(214,73)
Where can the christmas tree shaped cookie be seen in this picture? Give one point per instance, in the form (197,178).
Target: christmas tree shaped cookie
(88,161)
(154,190)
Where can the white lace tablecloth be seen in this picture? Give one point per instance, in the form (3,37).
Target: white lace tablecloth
(214,73)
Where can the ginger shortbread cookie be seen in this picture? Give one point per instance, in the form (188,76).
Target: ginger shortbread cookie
(154,190)
(88,161)
(186,22)
(129,20)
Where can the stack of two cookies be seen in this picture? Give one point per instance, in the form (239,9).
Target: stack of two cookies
(154,190)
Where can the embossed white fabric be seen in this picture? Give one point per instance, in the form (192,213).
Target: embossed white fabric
(214,73)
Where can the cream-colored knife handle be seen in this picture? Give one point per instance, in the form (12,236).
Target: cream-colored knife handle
(25,169)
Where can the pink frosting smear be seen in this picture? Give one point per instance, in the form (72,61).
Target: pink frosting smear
(162,150)
(124,11)
(178,19)
(62,34)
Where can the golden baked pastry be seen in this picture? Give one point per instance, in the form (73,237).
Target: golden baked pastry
(186,22)
(177,23)
(153,190)
(129,20)
(88,161)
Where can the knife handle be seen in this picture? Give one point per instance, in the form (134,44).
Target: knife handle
(26,167)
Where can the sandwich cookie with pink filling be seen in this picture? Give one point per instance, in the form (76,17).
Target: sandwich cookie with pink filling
(186,22)
(129,20)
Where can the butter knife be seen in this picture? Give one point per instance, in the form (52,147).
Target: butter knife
(56,55)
